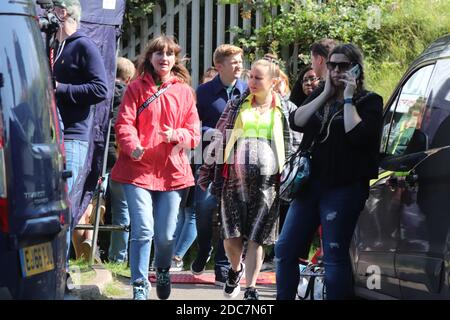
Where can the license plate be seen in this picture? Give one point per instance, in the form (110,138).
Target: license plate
(36,259)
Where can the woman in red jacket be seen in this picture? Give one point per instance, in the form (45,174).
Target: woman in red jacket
(152,164)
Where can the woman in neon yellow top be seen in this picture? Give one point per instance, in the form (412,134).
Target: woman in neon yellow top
(254,155)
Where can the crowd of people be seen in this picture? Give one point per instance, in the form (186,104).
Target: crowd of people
(179,157)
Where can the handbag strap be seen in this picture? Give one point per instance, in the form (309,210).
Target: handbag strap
(309,291)
(321,130)
(309,150)
(152,98)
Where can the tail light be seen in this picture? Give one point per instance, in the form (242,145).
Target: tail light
(4,223)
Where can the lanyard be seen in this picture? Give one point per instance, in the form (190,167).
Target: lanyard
(59,52)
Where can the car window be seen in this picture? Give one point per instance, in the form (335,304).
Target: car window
(401,131)
(25,91)
(437,113)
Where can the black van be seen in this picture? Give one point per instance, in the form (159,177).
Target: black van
(34,208)
(401,245)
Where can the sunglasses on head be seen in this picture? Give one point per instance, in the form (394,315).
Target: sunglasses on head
(343,66)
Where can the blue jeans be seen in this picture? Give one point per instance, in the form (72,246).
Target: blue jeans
(153,214)
(205,204)
(186,231)
(118,248)
(76,152)
(337,210)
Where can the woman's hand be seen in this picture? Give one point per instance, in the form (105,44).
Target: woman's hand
(329,89)
(137,153)
(167,134)
(350,85)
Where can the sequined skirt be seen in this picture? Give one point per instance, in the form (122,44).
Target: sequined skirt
(250,203)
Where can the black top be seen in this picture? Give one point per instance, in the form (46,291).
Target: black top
(344,158)
(119,90)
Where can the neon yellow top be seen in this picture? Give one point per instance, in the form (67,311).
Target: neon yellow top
(249,123)
(253,124)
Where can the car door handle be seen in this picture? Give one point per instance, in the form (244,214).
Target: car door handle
(66,174)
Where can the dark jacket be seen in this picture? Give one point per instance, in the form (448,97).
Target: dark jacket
(212,98)
(80,73)
(344,158)
(119,90)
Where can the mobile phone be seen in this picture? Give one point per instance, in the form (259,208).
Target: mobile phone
(356,71)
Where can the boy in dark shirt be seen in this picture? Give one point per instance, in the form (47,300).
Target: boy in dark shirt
(118,248)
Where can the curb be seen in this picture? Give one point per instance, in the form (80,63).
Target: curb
(93,290)
(102,278)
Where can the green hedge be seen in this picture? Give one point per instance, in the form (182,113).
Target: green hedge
(390,33)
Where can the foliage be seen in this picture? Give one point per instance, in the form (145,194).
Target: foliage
(137,9)
(389,32)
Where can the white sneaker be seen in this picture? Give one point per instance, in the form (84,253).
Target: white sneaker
(177,265)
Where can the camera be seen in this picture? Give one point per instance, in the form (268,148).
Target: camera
(48,22)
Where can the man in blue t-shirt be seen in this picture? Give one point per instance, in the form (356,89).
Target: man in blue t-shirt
(212,98)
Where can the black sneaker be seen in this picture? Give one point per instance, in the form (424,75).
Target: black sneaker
(163,286)
(232,288)
(221,274)
(199,263)
(251,294)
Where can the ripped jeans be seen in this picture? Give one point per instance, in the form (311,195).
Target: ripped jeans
(337,209)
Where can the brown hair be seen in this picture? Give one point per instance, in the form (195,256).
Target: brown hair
(225,50)
(355,55)
(161,43)
(210,73)
(125,69)
(323,47)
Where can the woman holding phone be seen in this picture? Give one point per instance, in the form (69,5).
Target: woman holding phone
(342,122)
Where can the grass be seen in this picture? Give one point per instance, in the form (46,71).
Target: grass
(118,269)
(113,289)
(83,265)
(407,28)
(81,272)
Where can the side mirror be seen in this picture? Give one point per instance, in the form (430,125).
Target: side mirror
(402,163)
(413,154)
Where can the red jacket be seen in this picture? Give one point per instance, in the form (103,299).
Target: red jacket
(164,166)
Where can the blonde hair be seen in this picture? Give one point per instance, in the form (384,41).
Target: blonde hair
(271,62)
(125,69)
(225,50)
(161,43)
(283,78)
